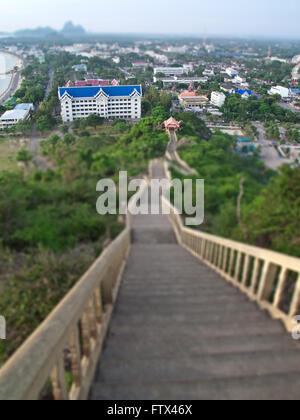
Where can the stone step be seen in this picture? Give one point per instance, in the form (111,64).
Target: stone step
(268,387)
(181,313)
(200,300)
(234,365)
(193,328)
(161,347)
(189,318)
(171,304)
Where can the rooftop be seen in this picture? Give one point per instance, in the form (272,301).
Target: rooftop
(15,114)
(91,92)
(25,107)
(172,123)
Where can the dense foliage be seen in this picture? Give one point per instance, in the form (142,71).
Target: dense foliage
(222,168)
(273,218)
(50,230)
(253,109)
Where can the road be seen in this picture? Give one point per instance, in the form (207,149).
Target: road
(49,86)
(14,84)
(269,155)
(34,146)
(296,72)
(288,107)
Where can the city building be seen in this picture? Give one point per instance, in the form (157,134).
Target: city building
(218,99)
(296,59)
(13,117)
(92,82)
(238,80)
(228,88)
(192,100)
(245,93)
(172,71)
(123,102)
(140,64)
(284,92)
(215,112)
(25,107)
(231,72)
(180,80)
(80,68)
(209,73)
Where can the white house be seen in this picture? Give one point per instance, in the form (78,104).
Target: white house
(122,102)
(284,92)
(218,99)
(238,80)
(11,118)
(231,72)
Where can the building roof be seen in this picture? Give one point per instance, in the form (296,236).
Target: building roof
(15,114)
(91,92)
(26,107)
(187,94)
(172,123)
(243,91)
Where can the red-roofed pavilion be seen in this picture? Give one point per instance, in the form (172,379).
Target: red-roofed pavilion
(172,124)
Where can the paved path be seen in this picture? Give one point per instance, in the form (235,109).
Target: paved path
(173,156)
(13,87)
(180,331)
(34,147)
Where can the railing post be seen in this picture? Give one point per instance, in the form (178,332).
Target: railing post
(246,270)
(267,281)
(92,317)
(254,279)
(232,256)
(211,250)
(219,263)
(202,252)
(217,254)
(86,336)
(238,267)
(98,303)
(296,299)
(75,357)
(225,261)
(280,287)
(58,379)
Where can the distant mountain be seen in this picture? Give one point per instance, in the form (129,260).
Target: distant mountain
(36,33)
(71,30)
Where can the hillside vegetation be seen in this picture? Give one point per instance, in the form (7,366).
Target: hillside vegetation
(50,230)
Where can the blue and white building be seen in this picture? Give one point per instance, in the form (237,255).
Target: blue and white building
(117,102)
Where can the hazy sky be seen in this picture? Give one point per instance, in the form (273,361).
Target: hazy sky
(219,17)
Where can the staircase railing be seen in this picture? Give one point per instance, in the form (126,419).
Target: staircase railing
(63,352)
(269,278)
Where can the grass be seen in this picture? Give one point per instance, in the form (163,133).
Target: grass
(9,147)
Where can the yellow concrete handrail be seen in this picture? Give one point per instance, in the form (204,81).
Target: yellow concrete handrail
(267,277)
(72,336)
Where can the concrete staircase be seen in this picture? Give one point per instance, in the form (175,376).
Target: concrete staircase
(180,331)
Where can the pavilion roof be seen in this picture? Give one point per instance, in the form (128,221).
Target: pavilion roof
(172,123)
